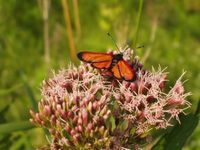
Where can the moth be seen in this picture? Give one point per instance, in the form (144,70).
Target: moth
(112,65)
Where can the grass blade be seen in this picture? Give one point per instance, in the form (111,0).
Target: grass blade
(29,91)
(138,22)
(7,128)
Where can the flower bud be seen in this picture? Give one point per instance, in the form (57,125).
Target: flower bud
(178,88)
(73,132)
(75,119)
(101,129)
(90,126)
(176,101)
(85,117)
(53,120)
(47,110)
(95,105)
(67,128)
(70,114)
(66,142)
(80,121)
(134,87)
(80,128)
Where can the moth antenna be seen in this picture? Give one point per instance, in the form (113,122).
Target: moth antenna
(113,41)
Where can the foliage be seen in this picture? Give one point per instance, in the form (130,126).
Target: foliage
(169,30)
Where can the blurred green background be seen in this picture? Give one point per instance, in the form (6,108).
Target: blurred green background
(37,36)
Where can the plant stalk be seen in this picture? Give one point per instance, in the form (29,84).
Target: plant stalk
(77,19)
(69,30)
(46,7)
(138,22)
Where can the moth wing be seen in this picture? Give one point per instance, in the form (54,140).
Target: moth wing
(122,70)
(102,65)
(116,71)
(97,60)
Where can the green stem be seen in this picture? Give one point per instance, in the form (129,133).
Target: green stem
(198,109)
(7,128)
(138,22)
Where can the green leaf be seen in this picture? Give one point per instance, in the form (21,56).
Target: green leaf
(110,123)
(113,125)
(132,132)
(29,91)
(15,126)
(123,125)
(177,137)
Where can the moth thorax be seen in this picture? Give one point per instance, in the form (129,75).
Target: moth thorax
(118,57)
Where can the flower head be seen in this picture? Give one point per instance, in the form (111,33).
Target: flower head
(83,110)
(74,109)
(146,104)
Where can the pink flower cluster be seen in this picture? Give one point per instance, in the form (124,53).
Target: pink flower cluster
(83,110)
(146,104)
(74,109)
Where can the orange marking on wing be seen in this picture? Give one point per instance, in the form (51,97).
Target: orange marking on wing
(125,70)
(122,70)
(102,65)
(93,57)
(116,71)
